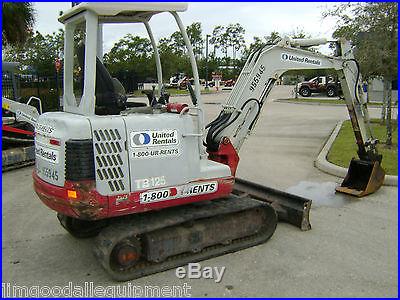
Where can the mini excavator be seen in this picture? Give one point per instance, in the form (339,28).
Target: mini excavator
(153,182)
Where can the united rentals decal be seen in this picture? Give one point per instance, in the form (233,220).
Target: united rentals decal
(156,143)
(154,138)
(192,189)
(47,154)
(20,114)
(158,153)
(300,59)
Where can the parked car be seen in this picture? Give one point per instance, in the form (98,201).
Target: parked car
(321,84)
(211,83)
(229,83)
(182,83)
(174,80)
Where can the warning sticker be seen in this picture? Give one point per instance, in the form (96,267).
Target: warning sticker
(192,189)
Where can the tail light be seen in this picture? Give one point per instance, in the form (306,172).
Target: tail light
(55,142)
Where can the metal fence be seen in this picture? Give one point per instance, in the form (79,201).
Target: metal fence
(10,85)
(48,88)
(21,87)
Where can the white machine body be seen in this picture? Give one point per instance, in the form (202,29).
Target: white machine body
(140,149)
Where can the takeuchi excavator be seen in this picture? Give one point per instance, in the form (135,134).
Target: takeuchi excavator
(140,177)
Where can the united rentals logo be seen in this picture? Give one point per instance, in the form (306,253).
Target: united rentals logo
(300,59)
(285,56)
(154,138)
(141,139)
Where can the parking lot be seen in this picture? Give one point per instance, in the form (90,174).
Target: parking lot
(351,250)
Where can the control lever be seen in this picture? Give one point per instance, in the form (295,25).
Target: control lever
(164,98)
(192,95)
(151,96)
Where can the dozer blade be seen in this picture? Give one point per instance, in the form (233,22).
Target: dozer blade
(362,178)
(290,208)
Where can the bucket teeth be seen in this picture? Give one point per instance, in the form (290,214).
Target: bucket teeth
(363,177)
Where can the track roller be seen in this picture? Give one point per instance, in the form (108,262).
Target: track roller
(81,228)
(156,241)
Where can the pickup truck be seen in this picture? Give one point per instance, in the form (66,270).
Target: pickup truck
(321,84)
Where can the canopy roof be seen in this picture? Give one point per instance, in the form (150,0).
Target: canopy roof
(118,11)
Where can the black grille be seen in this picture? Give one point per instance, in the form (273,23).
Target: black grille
(108,148)
(79,160)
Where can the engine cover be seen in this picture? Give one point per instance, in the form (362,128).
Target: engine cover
(132,163)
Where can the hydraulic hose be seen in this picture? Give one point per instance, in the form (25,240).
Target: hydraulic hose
(222,122)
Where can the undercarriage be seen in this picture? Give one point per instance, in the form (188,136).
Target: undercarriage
(137,245)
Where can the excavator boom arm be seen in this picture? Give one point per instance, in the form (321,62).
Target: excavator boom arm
(263,67)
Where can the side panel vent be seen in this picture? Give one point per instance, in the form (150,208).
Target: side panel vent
(112,175)
(79,161)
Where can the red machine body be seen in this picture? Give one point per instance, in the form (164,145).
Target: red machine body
(79,199)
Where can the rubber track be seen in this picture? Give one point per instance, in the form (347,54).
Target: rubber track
(18,166)
(18,157)
(135,225)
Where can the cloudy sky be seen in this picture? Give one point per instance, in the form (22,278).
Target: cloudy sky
(259,19)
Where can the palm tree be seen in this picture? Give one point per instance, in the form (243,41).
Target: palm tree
(18,20)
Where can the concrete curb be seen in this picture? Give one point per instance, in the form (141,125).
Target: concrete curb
(307,103)
(324,165)
(318,103)
(183,95)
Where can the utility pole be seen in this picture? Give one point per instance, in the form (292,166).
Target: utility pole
(207,36)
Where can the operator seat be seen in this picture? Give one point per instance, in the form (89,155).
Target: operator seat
(110,94)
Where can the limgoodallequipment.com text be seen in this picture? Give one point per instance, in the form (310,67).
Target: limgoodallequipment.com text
(89,289)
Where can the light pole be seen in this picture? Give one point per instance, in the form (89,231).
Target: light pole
(207,36)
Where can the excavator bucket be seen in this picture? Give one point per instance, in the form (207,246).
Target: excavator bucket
(363,178)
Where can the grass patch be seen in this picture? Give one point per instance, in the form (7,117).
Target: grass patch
(344,147)
(173,92)
(325,101)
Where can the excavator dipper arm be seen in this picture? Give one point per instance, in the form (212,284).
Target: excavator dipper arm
(263,67)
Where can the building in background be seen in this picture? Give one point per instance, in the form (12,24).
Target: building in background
(375,90)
